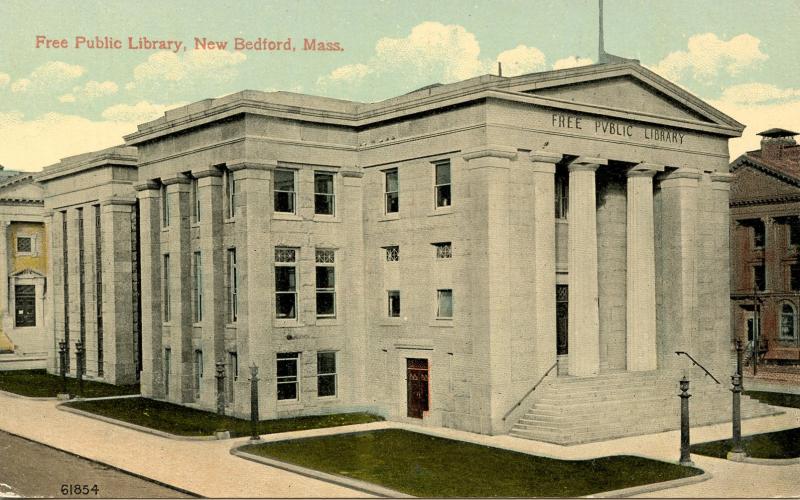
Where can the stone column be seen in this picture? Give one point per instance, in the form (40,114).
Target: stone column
(118,335)
(215,302)
(678,265)
(641,270)
(722,334)
(74,298)
(488,172)
(50,312)
(584,322)
(179,247)
(254,253)
(772,257)
(149,196)
(543,170)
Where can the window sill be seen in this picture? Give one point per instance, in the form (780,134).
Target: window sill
(327,321)
(231,326)
(195,225)
(562,221)
(285,216)
(448,210)
(230,220)
(331,399)
(388,217)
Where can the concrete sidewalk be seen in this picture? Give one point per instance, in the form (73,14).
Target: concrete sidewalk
(208,469)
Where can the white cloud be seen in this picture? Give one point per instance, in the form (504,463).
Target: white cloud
(760,107)
(51,74)
(31,144)
(173,69)
(350,72)
(707,55)
(4,79)
(521,60)
(67,98)
(140,112)
(572,62)
(90,90)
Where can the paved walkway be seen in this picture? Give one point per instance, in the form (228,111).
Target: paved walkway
(208,469)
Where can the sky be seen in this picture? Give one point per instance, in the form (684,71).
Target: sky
(741,56)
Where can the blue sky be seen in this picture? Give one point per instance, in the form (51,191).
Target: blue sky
(740,56)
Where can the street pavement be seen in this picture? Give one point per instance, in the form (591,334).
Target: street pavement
(207,468)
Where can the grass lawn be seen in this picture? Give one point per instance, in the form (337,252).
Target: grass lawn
(39,383)
(776,398)
(429,466)
(183,421)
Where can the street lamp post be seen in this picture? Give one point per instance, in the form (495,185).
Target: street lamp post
(254,436)
(737,415)
(686,458)
(756,328)
(62,353)
(79,352)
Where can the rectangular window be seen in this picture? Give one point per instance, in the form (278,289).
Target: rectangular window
(287,375)
(167,369)
(24,245)
(165,300)
(326,374)
(198,372)
(759,234)
(444,250)
(392,191)
(164,207)
(323,193)
(195,200)
(25,305)
(65,279)
(759,279)
(392,253)
(442,184)
(285,283)
(444,304)
(233,286)
(562,319)
(81,278)
(326,283)
(98,274)
(794,277)
(198,287)
(231,376)
(284,191)
(394,303)
(230,194)
(794,231)
(561,195)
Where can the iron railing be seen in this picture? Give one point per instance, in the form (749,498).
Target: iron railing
(530,391)
(697,363)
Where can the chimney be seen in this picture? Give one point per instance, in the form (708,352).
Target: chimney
(774,144)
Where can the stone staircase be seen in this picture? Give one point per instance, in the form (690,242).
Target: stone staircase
(573,410)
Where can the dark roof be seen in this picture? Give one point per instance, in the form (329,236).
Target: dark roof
(786,167)
(777,132)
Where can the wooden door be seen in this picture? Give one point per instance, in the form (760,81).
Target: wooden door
(417,383)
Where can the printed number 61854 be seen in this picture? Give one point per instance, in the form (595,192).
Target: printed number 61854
(79,489)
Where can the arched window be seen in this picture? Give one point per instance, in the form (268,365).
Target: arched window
(787,321)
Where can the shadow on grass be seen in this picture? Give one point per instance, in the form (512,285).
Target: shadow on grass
(781,444)
(184,421)
(429,466)
(776,398)
(40,384)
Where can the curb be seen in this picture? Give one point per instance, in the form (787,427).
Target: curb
(104,464)
(649,488)
(355,484)
(30,398)
(140,428)
(763,461)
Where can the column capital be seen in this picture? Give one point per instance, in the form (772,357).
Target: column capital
(645,169)
(545,157)
(242,164)
(207,172)
(147,186)
(683,173)
(175,179)
(489,151)
(586,164)
(117,200)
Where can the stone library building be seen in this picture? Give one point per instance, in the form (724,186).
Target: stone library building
(431,258)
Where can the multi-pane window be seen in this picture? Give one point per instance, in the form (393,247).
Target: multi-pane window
(230,194)
(25,305)
(24,245)
(759,277)
(326,283)
(326,374)
(442,184)
(195,200)
(787,321)
(197,273)
(794,231)
(323,193)
(444,303)
(167,369)
(759,234)
(794,277)
(165,289)
(393,298)
(285,283)
(232,375)
(233,286)
(198,372)
(444,250)
(561,195)
(164,207)
(287,375)
(392,193)
(562,319)
(392,253)
(284,192)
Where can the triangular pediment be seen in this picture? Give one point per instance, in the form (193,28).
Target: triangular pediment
(625,87)
(22,187)
(27,273)
(754,182)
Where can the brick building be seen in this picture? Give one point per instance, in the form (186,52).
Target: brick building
(765,271)
(432,257)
